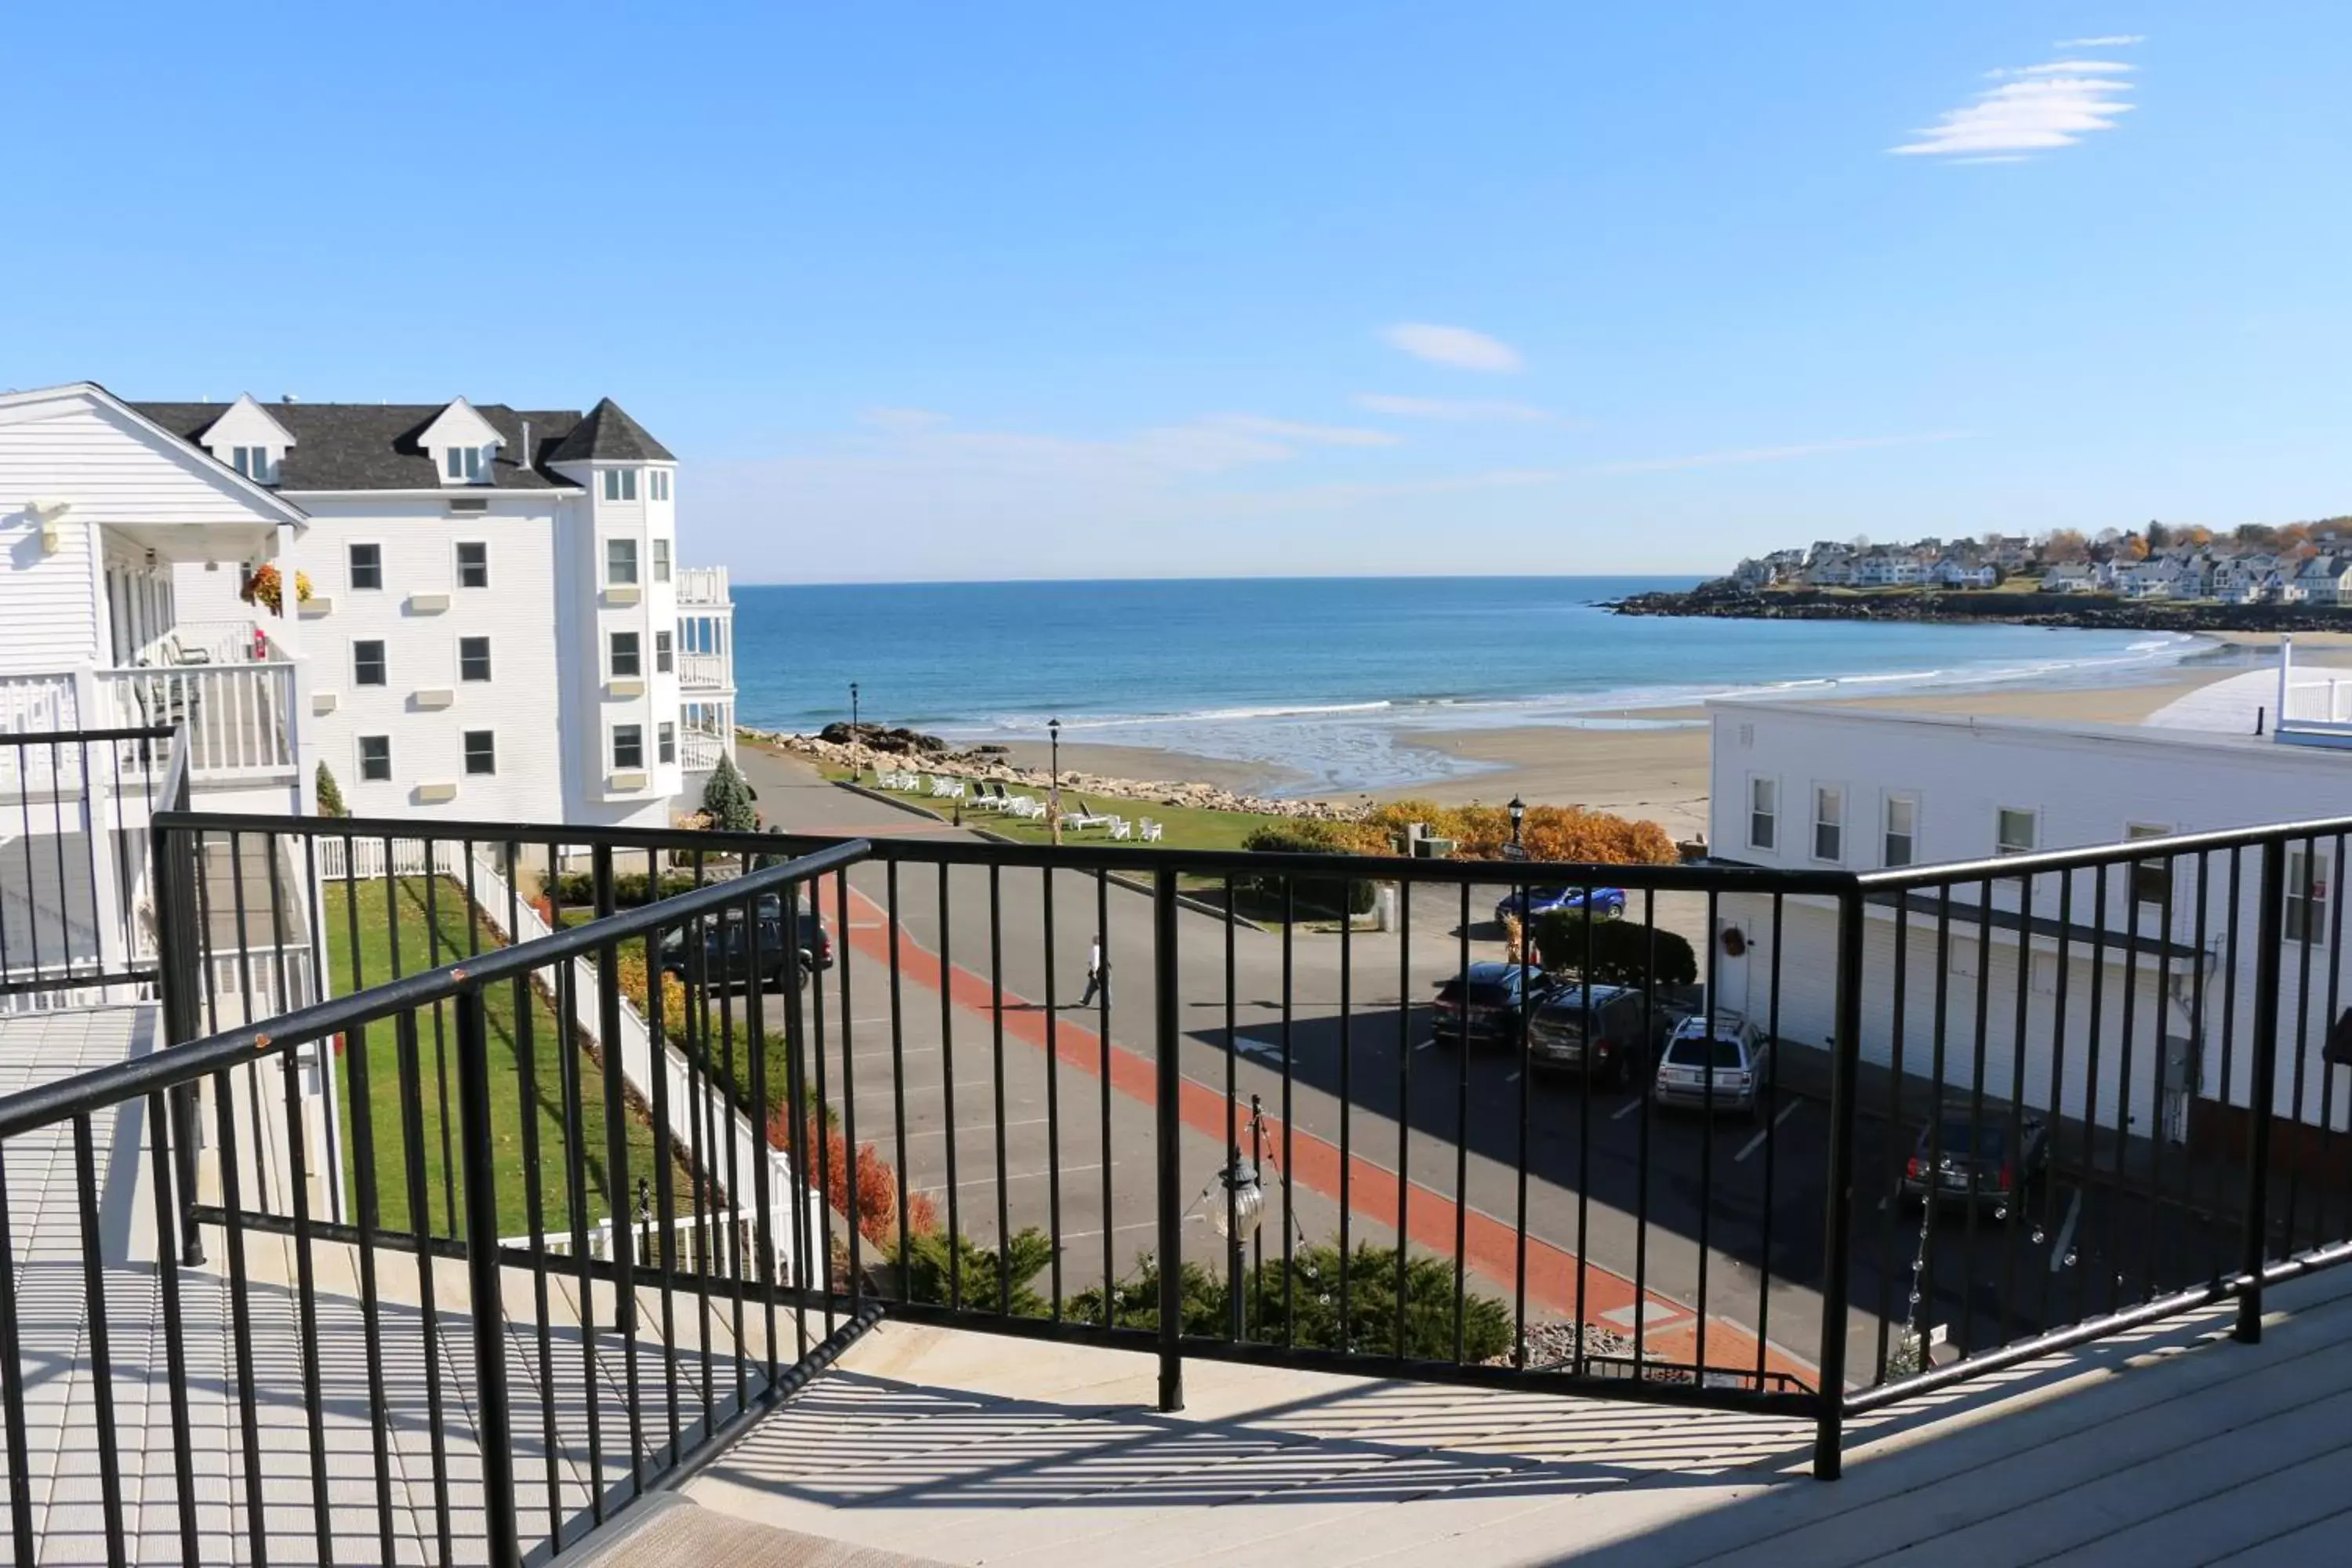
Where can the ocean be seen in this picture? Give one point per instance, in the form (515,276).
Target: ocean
(1331,678)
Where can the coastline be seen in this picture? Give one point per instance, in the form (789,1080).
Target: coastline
(1659,769)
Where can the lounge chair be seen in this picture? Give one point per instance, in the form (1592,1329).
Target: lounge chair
(1084,816)
(1120,828)
(1150,831)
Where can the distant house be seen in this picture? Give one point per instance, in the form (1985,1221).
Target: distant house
(1887,568)
(2074,577)
(1830,572)
(1951,573)
(2009,551)
(2327,580)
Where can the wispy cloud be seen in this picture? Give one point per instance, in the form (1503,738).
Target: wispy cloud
(1456,346)
(1775,453)
(1463,411)
(2031,110)
(2103,41)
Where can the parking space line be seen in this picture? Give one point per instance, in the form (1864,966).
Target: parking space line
(981,1127)
(989,1180)
(1763,1132)
(1626,1109)
(2059,1248)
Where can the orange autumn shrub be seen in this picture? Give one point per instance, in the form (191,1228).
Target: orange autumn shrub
(1549,832)
(871,1178)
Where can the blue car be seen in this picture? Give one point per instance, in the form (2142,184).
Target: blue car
(1608,903)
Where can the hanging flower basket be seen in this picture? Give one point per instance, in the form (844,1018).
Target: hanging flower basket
(266,588)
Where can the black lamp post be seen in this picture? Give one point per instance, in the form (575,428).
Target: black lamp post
(1053,779)
(1518,810)
(856,751)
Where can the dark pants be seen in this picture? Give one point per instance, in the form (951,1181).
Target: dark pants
(1097,985)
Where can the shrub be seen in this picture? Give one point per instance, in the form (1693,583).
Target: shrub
(1622,951)
(630,888)
(1314,1313)
(874,1181)
(1548,832)
(1311,895)
(985,1279)
(728,801)
(331,795)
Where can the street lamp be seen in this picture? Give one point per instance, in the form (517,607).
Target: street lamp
(857,753)
(1518,810)
(1054,780)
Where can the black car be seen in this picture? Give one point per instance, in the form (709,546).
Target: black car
(1485,1001)
(1624,1027)
(1988,1158)
(727,955)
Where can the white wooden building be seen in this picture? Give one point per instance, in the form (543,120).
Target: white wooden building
(1817,786)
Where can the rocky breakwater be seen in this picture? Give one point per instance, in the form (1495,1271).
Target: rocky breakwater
(2086,612)
(913,752)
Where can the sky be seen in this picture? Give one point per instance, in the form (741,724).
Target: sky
(949,291)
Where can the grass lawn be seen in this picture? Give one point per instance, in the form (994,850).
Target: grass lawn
(432,928)
(1186,826)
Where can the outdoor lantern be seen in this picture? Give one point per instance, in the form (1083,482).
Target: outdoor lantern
(1518,810)
(1237,1210)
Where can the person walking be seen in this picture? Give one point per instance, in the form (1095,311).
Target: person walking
(1098,976)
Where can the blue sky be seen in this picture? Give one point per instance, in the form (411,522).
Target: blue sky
(952,291)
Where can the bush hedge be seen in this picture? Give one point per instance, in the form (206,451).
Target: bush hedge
(1310,895)
(1622,951)
(1548,832)
(577,890)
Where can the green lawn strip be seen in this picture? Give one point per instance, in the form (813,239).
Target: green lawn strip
(1185,827)
(431,909)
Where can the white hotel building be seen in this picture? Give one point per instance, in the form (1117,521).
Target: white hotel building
(500,623)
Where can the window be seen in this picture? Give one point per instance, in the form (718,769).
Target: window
(2015,831)
(628,747)
(253,462)
(375,759)
(1763,813)
(665,739)
(620,563)
(1902,830)
(657,484)
(368,663)
(473,564)
(661,560)
(2151,881)
(620,484)
(1829,822)
(662,659)
(625,663)
(481,751)
(473,659)
(2307,893)
(470,464)
(367,566)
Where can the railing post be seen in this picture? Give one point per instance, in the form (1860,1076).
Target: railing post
(494,1421)
(2270,937)
(176,950)
(1837,1227)
(1168,1086)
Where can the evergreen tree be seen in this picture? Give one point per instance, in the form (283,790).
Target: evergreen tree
(728,800)
(330,797)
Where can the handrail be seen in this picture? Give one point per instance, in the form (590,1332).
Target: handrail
(1726,876)
(2009,867)
(111,1085)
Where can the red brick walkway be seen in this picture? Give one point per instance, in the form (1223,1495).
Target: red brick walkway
(1670,1327)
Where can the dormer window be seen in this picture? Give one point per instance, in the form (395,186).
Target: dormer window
(253,462)
(467,465)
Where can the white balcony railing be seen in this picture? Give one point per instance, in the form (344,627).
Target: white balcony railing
(698,751)
(33,704)
(239,717)
(705,671)
(703,587)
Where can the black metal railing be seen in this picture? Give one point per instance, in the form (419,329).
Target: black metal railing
(1798,1144)
(74,808)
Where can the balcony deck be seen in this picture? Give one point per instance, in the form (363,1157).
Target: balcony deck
(2168,1445)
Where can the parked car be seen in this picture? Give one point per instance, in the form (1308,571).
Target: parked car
(1961,1159)
(1626,1026)
(1485,1001)
(727,955)
(1722,1064)
(1608,903)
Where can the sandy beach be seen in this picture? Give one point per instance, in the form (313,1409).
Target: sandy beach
(1660,772)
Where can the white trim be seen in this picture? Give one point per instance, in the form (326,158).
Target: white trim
(352,587)
(181,449)
(1815,823)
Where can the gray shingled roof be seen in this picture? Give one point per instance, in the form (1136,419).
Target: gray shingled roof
(609,435)
(373,446)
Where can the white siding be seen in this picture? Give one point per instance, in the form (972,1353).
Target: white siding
(52,622)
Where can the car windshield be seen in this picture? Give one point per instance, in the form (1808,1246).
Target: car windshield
(1482,993)
(1691,1052)
(1960,1137)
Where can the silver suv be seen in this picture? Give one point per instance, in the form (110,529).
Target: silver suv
(1722,1064)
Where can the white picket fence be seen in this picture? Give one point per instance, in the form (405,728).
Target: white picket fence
(708,1242)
